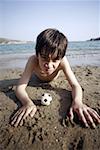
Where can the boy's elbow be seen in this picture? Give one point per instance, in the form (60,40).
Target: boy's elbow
(18,89)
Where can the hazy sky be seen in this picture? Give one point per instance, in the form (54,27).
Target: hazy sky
(25,19)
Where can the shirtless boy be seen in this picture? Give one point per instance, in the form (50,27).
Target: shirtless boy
(49,60)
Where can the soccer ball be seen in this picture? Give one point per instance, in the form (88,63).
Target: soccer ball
(46,99)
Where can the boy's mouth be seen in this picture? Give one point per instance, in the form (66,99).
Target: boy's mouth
(48,70)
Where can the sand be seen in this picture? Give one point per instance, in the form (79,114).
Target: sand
(48,130)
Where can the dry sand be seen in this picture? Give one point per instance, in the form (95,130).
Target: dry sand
(48,130)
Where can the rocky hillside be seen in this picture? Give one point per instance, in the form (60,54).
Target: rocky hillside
(9,41)
(95,39)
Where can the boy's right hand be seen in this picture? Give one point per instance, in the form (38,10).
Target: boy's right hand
(22,113)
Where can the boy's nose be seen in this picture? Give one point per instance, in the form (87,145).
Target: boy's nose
(49,65)
(46,65)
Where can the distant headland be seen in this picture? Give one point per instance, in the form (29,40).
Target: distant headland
(95,39)
(9,41)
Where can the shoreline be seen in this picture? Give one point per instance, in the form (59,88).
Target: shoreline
(8,61)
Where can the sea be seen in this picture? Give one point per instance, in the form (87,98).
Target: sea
(79,53)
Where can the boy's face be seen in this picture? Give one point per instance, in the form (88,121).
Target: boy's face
(48,64)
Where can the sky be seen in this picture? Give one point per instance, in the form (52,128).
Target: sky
(79,20)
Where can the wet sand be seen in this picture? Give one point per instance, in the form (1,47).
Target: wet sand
(49,130)
(76,58)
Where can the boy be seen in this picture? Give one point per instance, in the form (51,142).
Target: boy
(50,58)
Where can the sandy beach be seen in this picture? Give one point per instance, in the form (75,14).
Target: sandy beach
(49,130)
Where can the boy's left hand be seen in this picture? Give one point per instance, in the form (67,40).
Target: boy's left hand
(86,114)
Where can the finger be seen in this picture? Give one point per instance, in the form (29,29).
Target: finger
(26,113)
(19,118)
(32,113)
(14,118)
(24,117)
(89,118)
(83,117)
(94,115)
(71,116)
(21,122)
(16,114)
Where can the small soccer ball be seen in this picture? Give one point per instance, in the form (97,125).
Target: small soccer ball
(46,99)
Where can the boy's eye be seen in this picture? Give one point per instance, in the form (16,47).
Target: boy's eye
(55,60)
(45,58)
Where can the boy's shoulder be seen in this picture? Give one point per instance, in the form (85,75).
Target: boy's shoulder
(64,61)
(32,62)
(33,59)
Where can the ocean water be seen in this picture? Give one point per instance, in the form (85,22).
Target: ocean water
(78,53)
(17,48)
(82,47)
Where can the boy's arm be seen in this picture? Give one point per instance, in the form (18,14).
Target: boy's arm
(28,107)
(22,84)
(85,113)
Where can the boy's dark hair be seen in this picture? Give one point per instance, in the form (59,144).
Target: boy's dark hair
(51,41)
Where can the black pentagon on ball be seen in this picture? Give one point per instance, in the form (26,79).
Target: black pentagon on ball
(45,100)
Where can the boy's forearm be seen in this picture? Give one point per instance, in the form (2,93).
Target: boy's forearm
(23,96)
(77,93)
